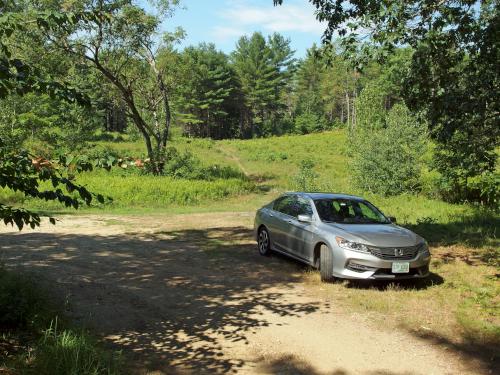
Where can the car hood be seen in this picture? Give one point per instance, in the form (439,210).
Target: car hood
(383,235)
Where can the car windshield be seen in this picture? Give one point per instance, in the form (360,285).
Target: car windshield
(349,211)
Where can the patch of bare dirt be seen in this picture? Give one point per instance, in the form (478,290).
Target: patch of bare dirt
(189,294)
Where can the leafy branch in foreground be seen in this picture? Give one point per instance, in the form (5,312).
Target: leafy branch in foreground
(21,172)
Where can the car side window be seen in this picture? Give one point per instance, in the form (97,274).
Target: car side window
(297,206)
(303,207)
(277,203)
(284,205)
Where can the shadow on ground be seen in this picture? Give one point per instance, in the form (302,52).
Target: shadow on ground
(477,230)
(168,299)
(420,284)
(289,364)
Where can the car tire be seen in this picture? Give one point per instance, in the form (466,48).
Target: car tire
(326,263)
(264,242)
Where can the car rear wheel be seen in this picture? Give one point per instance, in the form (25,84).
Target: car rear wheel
(326,263)
(264,242)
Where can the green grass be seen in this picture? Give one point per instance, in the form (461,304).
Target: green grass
(35,341)
(143,191)
(270,164)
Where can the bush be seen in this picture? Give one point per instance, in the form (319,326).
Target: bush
(187,166)
(306,178)
(485,189)
(182,165)
(308,123)
(275,126)
(388,161)
(370,107)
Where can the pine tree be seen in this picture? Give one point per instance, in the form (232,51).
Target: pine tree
(263,69)
(204,99)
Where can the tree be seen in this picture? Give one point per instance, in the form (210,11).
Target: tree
(308,84)
(205,93)
(370,107)
(339,88)
(18,170)
(452,79)
(263,69)
(123,43)
(388,160)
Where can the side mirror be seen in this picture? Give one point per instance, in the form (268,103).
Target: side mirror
(305,218)
(392,219)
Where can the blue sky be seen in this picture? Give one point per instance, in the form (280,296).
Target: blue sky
(222,22)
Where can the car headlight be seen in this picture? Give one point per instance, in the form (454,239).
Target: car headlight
(349,245)
(423,248)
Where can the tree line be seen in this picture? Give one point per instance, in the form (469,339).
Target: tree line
(139,84)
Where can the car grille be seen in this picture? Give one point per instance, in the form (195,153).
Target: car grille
(394,253)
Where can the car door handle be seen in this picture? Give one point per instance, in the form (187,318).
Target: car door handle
(289,221)
(271,215)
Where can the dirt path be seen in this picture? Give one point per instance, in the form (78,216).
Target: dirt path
(236,160)
(189,294)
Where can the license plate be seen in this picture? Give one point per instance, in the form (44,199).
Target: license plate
(400,267)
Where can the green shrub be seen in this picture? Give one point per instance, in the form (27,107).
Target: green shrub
(485,189)
(309,122)
(429,183)
(388,161)
(370,107)
(185,165)
(306,179)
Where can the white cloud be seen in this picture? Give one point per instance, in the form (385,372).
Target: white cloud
(224,33)
(290,17)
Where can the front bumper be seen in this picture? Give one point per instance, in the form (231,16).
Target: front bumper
(354,265)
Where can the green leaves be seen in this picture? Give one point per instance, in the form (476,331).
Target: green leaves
(22,172)
(453,79)
(204,93)
(388,160)
(263,68)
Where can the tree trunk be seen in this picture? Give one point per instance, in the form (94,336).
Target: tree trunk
(348,111)
(128,97)
(162,135)
(242,120)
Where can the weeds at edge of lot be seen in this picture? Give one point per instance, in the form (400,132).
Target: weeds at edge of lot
(34,340)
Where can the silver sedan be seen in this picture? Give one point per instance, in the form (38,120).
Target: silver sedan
(344,236)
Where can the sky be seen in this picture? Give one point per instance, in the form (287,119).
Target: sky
(223,22)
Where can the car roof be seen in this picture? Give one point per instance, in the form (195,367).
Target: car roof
(318,195)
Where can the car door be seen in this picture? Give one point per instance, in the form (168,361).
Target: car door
(300,235)
(278,222)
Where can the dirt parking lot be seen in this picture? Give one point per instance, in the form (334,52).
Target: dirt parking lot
(189,294)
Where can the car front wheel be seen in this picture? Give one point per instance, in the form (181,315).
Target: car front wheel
(326,263)
(264,242)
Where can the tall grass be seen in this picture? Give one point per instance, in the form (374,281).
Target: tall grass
(67,352)
(145,191)
(35,341)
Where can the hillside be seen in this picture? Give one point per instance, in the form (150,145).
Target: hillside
(270,165)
